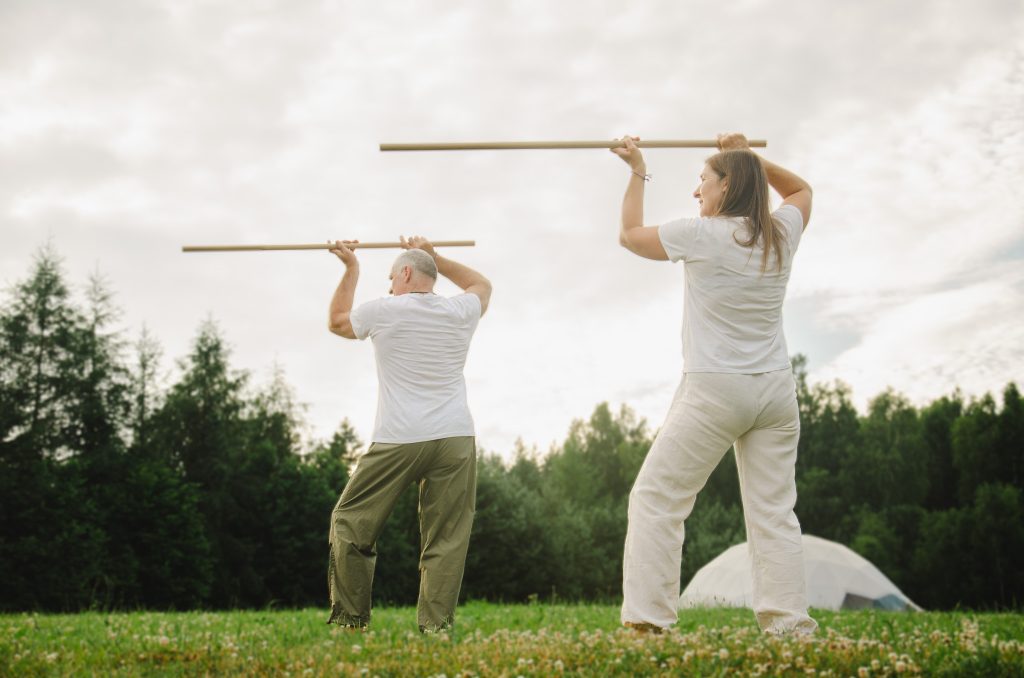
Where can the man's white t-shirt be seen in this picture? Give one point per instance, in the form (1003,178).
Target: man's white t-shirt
(732,312)
(420,342)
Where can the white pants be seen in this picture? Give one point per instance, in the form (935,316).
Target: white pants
(758,414)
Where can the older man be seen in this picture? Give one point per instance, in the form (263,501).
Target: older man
(423,432)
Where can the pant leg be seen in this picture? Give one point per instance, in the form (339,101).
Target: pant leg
(766,464)
(380,477)
(707,414)
(447,506)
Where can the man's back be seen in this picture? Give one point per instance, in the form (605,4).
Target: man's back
(424,432)
(420,342)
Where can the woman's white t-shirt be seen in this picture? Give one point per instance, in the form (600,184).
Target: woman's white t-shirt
(732,312)
(420,342)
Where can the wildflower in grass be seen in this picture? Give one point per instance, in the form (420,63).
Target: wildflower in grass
(723,654)
(863,672)
(900,667)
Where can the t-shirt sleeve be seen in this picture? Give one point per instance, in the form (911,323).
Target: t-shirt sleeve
(364,318)
(792,222)
(468,307)
(679,238)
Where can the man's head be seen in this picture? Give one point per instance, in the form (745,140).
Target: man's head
(413,271)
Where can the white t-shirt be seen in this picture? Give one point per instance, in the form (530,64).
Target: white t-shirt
(732,313)
(420,342)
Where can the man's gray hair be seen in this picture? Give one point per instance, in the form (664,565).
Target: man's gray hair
(417,260)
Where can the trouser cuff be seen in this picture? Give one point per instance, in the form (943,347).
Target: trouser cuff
(342,618)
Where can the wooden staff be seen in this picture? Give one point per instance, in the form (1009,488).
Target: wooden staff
(539,145)
(316,246)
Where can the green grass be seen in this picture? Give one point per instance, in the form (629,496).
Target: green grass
(494,640)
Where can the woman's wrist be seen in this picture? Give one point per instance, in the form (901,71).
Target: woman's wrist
(640,172)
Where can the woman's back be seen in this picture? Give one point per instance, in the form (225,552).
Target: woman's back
(732,319)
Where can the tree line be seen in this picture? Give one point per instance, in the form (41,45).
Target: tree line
(116,492)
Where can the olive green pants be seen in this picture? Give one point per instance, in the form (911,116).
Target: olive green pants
(446,472)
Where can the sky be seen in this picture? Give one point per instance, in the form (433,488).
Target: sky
(131,128)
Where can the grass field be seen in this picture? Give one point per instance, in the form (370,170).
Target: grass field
(510,640)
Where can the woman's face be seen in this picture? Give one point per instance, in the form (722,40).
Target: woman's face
(710,192)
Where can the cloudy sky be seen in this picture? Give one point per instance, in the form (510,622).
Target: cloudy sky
(128,129)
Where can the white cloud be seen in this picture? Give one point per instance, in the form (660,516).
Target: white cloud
(970,337)
(917,199)
(911,259)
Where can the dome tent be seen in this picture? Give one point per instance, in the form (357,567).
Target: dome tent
(837,578)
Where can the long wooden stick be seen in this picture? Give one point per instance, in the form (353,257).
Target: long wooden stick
(539,145)
(316,246)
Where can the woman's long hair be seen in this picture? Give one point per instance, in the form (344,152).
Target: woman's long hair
(747,196)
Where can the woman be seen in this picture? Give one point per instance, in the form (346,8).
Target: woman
(737,387)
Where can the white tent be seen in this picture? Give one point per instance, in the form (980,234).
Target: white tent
(837,578)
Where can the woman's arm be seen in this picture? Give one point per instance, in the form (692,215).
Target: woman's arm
(794,190)
(633,235)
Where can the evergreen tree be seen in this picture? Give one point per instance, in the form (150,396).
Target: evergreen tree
(45,517)
(200,430)
(937,421)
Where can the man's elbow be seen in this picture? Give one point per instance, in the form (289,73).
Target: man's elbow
(625,242)
(342,328)
(343,332)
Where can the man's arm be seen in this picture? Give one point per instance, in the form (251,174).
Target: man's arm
(338,316)
(633,235)
(794,190)
(466,278)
